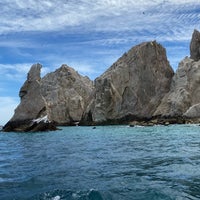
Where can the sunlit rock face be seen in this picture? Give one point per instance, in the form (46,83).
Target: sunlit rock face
(183,98)
(133,87)
(66,95)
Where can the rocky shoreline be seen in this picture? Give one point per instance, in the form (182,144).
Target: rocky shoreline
(140,88)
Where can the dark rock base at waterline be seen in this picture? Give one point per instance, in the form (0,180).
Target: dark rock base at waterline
(29,126)
(134,121)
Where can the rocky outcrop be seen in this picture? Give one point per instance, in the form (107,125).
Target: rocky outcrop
(32,105)
(183,99)
(184,96)
(140,87)
(60,98)
(132,87)
(66,95)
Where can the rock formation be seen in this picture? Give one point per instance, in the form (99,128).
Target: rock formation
(132,88)
(183,99)
(66,95)
(59,98)
(140,87)
(32,105)
(184,92)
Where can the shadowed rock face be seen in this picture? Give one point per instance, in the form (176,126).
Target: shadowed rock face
(32,102)
(140,87)
(132,87)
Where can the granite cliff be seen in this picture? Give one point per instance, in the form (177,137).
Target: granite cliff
(140,87)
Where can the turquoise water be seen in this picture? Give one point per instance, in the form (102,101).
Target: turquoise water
(109,162)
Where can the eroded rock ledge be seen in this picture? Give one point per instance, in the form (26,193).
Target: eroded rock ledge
(139,88)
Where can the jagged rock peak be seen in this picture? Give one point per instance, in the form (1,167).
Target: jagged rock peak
(66,94)
(65,68)
(195,46)
(132,87)
(34,72)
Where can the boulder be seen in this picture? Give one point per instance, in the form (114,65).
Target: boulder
(132,88)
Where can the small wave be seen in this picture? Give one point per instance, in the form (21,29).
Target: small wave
(91,194)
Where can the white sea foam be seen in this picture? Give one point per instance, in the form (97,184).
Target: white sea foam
(56,198)
(42,119)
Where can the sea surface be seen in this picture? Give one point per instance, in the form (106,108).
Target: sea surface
(106,162)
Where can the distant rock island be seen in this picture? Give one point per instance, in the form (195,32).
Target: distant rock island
(139,88)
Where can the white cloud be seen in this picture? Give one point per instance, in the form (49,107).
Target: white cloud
(7,106)
(101,15)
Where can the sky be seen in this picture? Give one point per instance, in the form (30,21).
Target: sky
(88,35)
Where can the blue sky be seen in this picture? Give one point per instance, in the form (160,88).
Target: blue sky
(88,35)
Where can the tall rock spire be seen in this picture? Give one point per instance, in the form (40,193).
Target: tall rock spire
(195,46)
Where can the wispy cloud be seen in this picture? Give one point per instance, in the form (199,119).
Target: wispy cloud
(168,18)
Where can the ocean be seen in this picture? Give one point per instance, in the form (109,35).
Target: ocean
(101,163)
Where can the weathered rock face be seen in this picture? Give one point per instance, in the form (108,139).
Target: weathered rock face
(132,87)
(183,98)
(66,95)
(195,46)
(60,97)
(140,87)
(32,102)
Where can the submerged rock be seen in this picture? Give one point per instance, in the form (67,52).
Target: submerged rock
(132,87)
